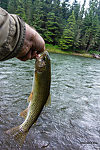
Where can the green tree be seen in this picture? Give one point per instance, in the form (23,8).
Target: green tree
(21,10)
(98,10)
(76,9)
(79,26)
(39,16)
(4,4)
(52,33)
(28,11)
(65,10)
(90,27)
(67,39)
(54,24)
(12,5)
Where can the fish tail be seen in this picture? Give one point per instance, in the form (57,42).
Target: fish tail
(18,135)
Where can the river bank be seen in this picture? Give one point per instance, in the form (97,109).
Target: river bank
(55,49)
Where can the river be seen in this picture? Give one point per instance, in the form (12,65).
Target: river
(71,121)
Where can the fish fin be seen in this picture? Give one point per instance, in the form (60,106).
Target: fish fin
(24,113)
(18,135)
(48,102)
(30,97)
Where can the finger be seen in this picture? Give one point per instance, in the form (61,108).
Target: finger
(26,57)
(33,54)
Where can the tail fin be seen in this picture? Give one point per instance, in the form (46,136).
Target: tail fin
(18,135)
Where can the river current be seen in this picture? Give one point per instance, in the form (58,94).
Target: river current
(71,121)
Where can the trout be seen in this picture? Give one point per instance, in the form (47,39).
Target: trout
(37,99)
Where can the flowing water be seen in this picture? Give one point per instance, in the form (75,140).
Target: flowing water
(71,122)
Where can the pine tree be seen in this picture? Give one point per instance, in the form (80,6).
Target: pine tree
(65,10)
(12,5)
(90,26)
(4,4)
(21,10)
(54,24)
(67,39)
(98,32)
(78,29)
(76,8)
(52,29)
(59,22)
(39,16)
(28,11)
(98,10)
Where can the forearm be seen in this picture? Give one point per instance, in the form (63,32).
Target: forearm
(12,34)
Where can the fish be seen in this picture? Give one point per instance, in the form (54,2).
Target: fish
(39,96)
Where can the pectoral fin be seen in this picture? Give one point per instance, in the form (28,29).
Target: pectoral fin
(24,113)
(48,102)
(30,97)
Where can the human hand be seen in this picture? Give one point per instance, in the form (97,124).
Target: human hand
(33,44)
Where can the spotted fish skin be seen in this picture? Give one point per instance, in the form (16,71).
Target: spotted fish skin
(40,90)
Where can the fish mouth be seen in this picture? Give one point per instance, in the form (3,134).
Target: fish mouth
(42,55)
(40,64)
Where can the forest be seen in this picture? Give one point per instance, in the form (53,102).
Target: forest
(70,26)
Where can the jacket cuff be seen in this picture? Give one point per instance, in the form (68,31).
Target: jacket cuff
(21,38)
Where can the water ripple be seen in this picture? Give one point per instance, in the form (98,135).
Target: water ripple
(71,122)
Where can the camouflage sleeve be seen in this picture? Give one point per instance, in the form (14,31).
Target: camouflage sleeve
(12,34)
